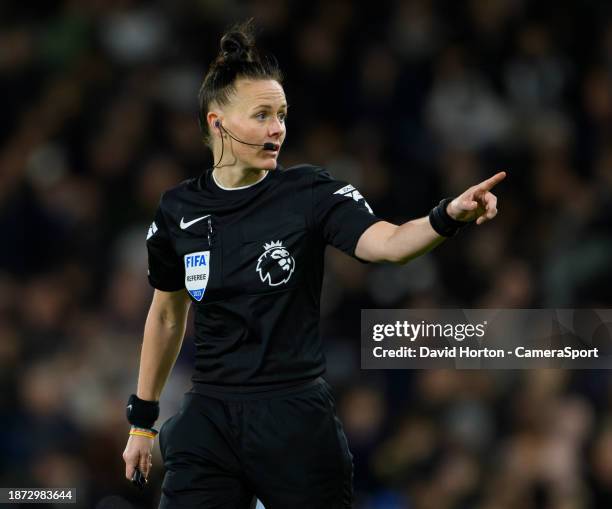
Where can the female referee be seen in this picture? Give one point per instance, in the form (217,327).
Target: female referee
(244,243)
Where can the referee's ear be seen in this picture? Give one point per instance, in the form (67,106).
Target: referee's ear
(214,122)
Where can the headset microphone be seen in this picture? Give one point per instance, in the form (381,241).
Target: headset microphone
(266,146)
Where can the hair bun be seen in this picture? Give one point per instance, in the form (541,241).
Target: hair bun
(237,46)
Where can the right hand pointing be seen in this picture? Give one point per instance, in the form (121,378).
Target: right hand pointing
(138,453)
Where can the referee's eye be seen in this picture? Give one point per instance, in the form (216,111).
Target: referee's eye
(262,116)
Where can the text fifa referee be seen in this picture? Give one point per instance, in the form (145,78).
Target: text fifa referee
(244,243)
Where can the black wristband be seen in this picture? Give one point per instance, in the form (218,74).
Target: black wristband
(142,413)
(442,223)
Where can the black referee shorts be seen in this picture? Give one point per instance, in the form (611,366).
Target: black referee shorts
(287,449)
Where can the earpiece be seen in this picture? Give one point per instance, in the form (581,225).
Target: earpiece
(217,124)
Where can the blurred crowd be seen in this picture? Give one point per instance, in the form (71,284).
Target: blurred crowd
(410,101)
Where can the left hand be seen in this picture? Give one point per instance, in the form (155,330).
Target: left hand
(477,202)
(138,453)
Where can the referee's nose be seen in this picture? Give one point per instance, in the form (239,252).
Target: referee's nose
(276,129)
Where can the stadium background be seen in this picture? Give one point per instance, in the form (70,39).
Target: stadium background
(410,101)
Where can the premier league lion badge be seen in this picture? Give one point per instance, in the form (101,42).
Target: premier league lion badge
(275,265)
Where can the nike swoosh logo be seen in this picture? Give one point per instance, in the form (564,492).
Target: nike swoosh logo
(129,407)
(193,221)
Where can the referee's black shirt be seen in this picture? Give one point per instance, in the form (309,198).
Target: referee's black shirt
(252,260)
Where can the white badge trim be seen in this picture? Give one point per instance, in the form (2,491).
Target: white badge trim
(351,192)
(152,230)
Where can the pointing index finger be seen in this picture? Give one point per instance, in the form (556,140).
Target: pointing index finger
(488,184)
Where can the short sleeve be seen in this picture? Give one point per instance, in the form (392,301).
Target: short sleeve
(340,212)
(165,268)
